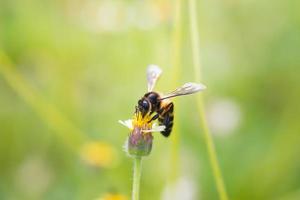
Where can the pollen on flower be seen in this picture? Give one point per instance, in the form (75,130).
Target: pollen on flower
(140,139)
(143,122)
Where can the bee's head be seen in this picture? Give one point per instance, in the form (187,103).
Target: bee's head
(144,106)
(153,98)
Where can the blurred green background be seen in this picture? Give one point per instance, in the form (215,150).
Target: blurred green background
(69,70)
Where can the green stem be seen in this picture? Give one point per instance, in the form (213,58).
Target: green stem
(137,171)
(207,135)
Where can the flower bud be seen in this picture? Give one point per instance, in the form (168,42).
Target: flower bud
(139,142)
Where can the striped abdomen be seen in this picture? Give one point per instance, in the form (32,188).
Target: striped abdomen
(166,117)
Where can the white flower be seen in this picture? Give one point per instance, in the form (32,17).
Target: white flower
(139,142)
(127,123)
(183,188)
(154,128)
(224,116)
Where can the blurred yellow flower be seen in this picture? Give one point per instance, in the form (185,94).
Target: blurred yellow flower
(98,154)
(113,197)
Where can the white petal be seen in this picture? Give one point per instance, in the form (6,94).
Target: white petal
(127,123)
(155,128)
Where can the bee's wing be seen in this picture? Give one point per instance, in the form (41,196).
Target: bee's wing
(186,89)
(153,73)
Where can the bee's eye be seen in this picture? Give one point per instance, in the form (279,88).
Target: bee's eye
(145,104)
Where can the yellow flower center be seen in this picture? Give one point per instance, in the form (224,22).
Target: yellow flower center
(142,122)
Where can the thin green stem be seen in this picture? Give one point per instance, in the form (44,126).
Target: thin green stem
(137,171)
(207,135)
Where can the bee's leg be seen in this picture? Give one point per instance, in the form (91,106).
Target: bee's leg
(154,117)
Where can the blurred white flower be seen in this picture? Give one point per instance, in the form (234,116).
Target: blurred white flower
(33,177)
(184,188)
(143,15)
(117,16)
(154,126)
(224,115)
(109,16)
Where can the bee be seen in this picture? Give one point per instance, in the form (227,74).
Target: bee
(158,106)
